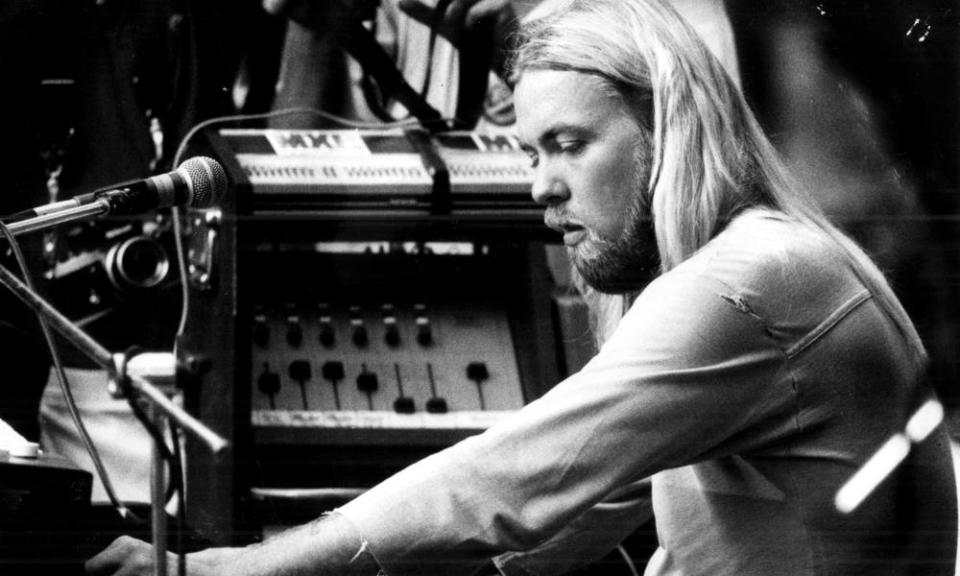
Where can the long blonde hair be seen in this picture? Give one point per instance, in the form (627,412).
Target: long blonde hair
(711,159)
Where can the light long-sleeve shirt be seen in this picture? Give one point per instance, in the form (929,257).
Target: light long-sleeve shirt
(750,382)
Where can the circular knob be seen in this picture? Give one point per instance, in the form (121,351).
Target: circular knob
(294,334)
(424,335)
(392,336)
(327,336)
(360,336)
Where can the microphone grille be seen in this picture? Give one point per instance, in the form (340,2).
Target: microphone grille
(208,180)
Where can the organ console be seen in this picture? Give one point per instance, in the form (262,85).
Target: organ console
(362,299)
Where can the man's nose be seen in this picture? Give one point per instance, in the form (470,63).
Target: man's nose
(548,188)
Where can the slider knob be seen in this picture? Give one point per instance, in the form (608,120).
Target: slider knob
(478,371)
(333,371)
(437,405)
(404,405)
(367,382)
(300,371)
(269,381)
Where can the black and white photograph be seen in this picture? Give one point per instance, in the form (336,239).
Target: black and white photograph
(479,287)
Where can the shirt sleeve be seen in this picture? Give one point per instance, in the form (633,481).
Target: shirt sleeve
(687,376)
(586,539)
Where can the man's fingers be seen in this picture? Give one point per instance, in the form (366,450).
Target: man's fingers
(123,556)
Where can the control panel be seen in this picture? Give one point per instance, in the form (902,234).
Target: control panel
(362,356)
(383,364)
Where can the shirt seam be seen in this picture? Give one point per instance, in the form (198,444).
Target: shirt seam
(832,320)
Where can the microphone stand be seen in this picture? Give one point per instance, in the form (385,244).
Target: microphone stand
(115,364)
(98,207)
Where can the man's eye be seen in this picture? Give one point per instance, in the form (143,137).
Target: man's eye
(571,146)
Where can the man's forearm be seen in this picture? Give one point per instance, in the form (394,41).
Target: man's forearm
(326,546)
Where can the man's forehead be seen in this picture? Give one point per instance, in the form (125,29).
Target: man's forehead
(548,101)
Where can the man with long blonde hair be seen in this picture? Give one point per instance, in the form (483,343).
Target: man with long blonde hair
(759,369)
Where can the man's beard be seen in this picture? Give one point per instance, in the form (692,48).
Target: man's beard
(627,263)
(620,265)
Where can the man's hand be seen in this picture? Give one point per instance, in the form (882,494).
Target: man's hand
(128,556)
(327,546)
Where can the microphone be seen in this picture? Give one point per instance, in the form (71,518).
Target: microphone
(195,184)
